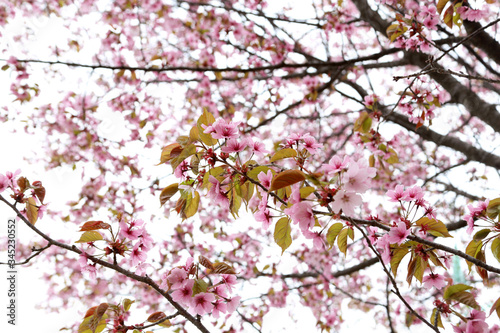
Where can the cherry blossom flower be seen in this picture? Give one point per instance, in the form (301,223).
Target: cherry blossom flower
(12,177)
(229,281)
(316,237)
(345,201)
(398,234)
(258,148)
(137,256)
(357,179)
(219,307)
(233,304)
(434,280)
(265,217)
(414,193)
(475,323)
(398,194)
(336,164)
(474,213)
(86,268)
(4,183)
(234,146)
(310,144)
(216,193)
(384,248)
(265,179)
(128,232)
(202,303)
(222,129)
(177,277)
(183,294)
(302,214)
(141,268)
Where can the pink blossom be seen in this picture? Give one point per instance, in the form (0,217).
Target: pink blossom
(222,129)
(434,280)
(219,307)
(183,294)
(141,268)
(398,194)
(414,193)
(345,201)
(302,213)
(233,304)
(216,193)
(357,179)
(265,217)
(12,177)
(234,146)
(316,237)
(127,231)
(202,303)
(137,256)
(384,248)
(265,178)
(87,268)
(177,277)
(182,168)
(336,165)
(258,148)
(474,213)
(399,233)
(4,183)
(310,144)
(229,281)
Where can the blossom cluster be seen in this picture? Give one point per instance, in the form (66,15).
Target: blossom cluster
(193,293)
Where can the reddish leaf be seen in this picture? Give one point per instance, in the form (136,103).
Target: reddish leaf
(157,316)
(205,262)
(94,225)
(286,178)
(31,210)
(223,268)
(168,192)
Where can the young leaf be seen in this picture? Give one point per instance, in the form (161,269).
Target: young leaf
(206,119)
(89,236)
(342,240)
(98,316)
(282,234)
(333,232)
(199,286)
(127,303)
(472,249)
(496,308)
(169,152)
(481,234)
(434,227)
(94,225)
(286,178)
(168,192)
(283,153)
(495,248)
(205,262)
(223,268)
(398,255)
(185,153)
(31,211)
(451,290)
(191,206)
(436,318)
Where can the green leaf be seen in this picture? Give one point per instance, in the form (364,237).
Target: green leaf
(206,119)
(89,236)
(493,209)
(169,152)
(333,232)
(127,303)
(283,153)
(168,192)
(436,318)
(286,178)
(451,290)
(200,286)
(342,240)
(398,255)
(306,191)
(495,248)
(473,249)
(191,205)
(95,322)
(254,173)
(481,234)
(282,234)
